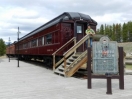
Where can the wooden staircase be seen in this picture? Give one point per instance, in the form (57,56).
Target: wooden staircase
(73,63)
(72,60)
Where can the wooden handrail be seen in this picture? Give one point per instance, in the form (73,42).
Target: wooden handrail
(66,44)
(86,37)
(72,49)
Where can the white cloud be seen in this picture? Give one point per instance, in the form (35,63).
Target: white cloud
(12,17)
(30,14)
(109,18)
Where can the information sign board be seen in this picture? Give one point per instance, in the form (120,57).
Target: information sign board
(105,56)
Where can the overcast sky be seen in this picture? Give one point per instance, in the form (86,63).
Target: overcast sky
(30,14)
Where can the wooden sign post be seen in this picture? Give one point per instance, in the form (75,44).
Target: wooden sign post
(103,70)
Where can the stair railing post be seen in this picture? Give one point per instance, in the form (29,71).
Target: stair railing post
(54,62)
(75,43)
(64,64)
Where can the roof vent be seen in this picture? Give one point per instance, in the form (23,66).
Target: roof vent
(81,18)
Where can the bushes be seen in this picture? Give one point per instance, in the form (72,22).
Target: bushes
(2,47)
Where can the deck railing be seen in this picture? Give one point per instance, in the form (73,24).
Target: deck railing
(73,49)
(65,45)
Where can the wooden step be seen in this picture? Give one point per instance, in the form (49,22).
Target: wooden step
(75,56)
(68,63)
(71,59)
(61,68)
(63,65)
(76,67)
(78,53)
(59,72)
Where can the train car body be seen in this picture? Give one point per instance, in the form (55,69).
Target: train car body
(10,50)
(45,40)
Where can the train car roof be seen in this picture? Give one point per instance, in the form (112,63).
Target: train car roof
(60,18)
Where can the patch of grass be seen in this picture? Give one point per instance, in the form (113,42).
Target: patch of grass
(127,46)
(3,56)
(129,67)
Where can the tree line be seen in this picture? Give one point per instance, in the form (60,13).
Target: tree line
(2,47)
(117,32)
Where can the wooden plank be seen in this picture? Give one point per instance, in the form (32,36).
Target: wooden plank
(72,49)
(66,44)
(64,64)
(75,68)
(79,57)
(53,62)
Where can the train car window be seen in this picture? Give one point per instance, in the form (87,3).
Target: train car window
(34,43)
(79,29)
(48,39)
(56,37)
(40,41)
(24,46)
(29,44)
(20,47)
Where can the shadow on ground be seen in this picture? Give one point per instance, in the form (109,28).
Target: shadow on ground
(38,63)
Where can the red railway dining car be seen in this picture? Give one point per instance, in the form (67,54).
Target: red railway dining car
(45,40)
(10,50)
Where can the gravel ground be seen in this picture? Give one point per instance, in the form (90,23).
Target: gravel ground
(34,81)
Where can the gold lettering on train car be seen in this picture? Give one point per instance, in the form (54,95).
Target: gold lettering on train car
(49,50)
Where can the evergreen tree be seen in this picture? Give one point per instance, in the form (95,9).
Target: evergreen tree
(101,29)
(110,32)
(2,47)
(106,30)
(97,32)
(129,24)
(113,32)
(125,32)
(118,32)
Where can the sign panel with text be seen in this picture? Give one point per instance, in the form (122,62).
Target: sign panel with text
(105,56)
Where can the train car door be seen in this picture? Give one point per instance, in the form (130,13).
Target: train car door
(80,35)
